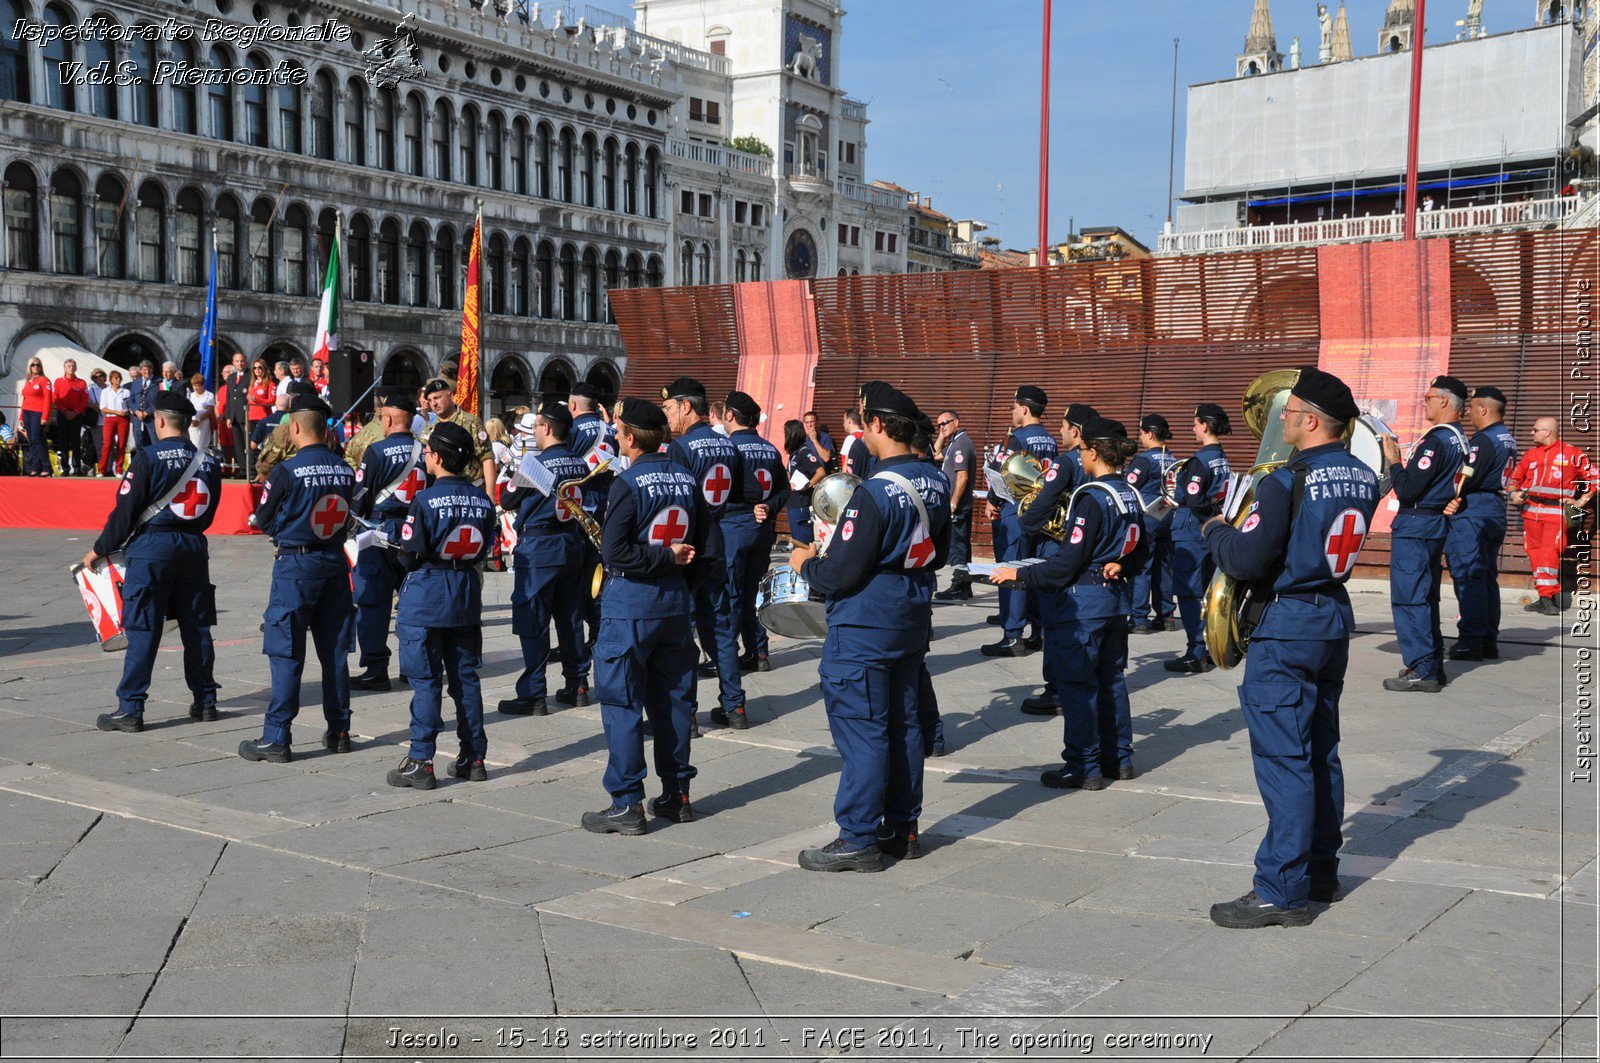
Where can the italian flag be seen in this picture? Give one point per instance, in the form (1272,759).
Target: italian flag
(327,339)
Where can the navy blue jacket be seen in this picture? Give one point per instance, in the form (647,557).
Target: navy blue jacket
(306,503)
(177,532)
(449,529)
(1202,481)
(1492,455)
(381,466)
(1426,484)
(655,503)
(1104,525)
(713,460)
(762,477)
(538,515)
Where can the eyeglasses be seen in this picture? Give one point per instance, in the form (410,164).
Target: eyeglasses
(944,424)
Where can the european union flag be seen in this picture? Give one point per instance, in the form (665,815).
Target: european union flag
(208,326)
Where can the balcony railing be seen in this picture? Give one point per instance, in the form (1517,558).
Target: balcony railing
(1532,214)
(873,197)
(853,109)
(718,157)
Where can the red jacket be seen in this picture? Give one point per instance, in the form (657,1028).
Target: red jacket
(1550,475)
(72,396)
(37,395)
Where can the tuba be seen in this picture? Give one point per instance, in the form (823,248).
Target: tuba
(590,526)
(1228,613)
(1023,475)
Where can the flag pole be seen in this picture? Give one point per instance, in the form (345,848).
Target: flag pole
(485,282)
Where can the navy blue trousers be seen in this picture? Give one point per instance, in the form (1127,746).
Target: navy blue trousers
(713,619)
(378,576)
(1152,585)
(1017,606)
(1472,544)
(542,594)
(323,607)
(151,591)
(1087,659)
(801,529)
(1416,576)
(645,668)
(1191,572)
(748,546)
(870,682)
(1290,698)
(432,659)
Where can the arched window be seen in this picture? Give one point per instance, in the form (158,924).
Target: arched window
(444,267)
(652,173)
(66,221)
(589,286)
(521,281)
(255,102)
(705,263)
(355,122)
(150,228)
(258,246)
(519,156)
(14,80)
(497,274)
(608,176)
(545,270)
(110,230)
(468,135)
(413,127)
(613,280)
(630,179)
(635,270)
(291,108)
(569,283)
(755,265)
(564,165)
(495,150)
(588,163)
(417,264)
(146,101)
(219,97)
(388,268)
(22,212)
(190,211)
(322,249)
(443,119)
(541,161)
(185,115)
(57,91)
(739,266)
(225,224)
(360,259)
(384,124)
(686,263)
(103,96)
(295,225)
(654,275)
(322,92)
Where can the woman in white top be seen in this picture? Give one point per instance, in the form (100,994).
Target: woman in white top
(205,412)
(114,403)
(500,442)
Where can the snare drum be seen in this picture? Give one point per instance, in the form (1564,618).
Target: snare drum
(786,607)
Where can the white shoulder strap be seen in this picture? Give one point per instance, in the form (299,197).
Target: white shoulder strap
(165,500)
(1107,488)
(405,474)
(911,492)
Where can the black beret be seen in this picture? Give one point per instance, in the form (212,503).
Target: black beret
(299,387)
(1492,393)
(1029,393)
(887,400)
(585,390)
(743,405)
(1450,384)
(174,402)
(1079,414)
(643,415)
(924,424)
(401,399)
(450,440)
(685,387)
(1210,411)
(310,403)
(557,415)
(438,383)
(1103,428)
(1156,425)
(1327,393)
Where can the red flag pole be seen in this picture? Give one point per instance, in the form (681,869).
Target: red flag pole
(1416,120)
(1044,144)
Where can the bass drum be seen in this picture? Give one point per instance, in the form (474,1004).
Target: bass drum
(785,606)
(1366,446)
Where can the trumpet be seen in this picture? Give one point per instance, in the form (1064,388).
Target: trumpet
(575,511)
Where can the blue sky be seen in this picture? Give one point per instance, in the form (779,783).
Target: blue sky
(954,93)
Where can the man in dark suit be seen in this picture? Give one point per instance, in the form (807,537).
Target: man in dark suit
(142,404)
(236,411)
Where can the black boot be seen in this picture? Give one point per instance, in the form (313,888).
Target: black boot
(417,774)
(624,819)
(371,679)
(469,767)
(838,855)
(902,844)
(338,741)
(1251,913)
(205,711)
(754,662)
(674,807)
(126,722)
(1006,648)
(1042,705)
(525,707)
(260,749)
(1067,779)
(574,694)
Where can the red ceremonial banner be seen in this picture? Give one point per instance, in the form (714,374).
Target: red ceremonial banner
(467,390)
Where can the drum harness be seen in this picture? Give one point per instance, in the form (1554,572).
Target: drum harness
(165,500)
(911,492)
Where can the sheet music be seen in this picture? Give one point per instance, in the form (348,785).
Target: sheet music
(531,472)
(1234,495)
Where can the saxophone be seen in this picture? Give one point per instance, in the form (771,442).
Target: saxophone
(575,511)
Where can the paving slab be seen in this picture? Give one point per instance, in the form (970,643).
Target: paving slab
(37,994)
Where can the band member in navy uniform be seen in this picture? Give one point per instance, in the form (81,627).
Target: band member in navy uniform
(1424,486)
(550,574)
(806,470)
(449,531)
(928,717)
(878,580)
(659,545)
(1152,473)
(593,440)
(305,507)
(715,463)
(390,476)
(1477,527)
(853,455)
(1011,542)
(750,523)
(165,503)
(1086,619)
(1202,482)
(1298,545)
(1060,481)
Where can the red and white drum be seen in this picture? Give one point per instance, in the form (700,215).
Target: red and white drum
(101,588)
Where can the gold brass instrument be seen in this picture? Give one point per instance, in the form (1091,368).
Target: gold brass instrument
(1227,601)
(575,511)
(1024,476)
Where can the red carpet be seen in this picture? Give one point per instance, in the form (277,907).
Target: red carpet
(78,504)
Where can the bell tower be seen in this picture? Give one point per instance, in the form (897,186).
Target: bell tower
(1260,55)
(1398,23)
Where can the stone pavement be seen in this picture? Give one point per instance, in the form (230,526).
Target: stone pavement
(162,898)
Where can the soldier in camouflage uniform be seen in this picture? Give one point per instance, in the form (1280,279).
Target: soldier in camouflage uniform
(372,431)
(441,398)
